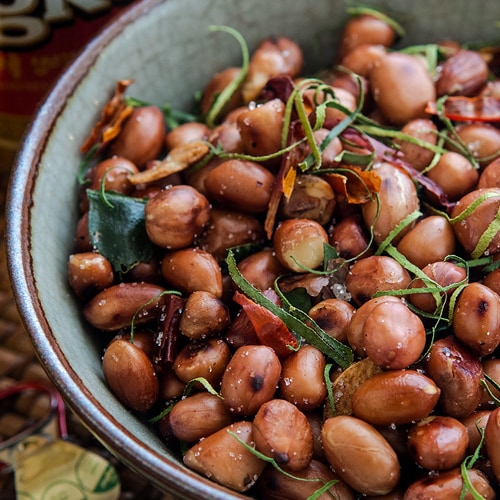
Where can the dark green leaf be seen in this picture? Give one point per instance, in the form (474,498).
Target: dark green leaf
(117,229)
(299,298)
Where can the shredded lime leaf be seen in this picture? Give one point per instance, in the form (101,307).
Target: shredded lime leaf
(495,385)
(329,388)
(222,99)
(369,11)
(295,319)
(326,485)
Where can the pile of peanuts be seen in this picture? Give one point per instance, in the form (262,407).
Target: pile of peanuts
(389,229)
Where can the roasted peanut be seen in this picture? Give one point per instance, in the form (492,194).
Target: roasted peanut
(315,419)
(298,244)
(355,335)
(203,315)
(398,198)
(148,272)
(349,237)
(175,216)
(438,442)
(274,56)
(474,423)
(361,58)
(228,137)
(302,378)
(454,174)
(192,269)
(225,460)
(171,386)
(355,449)
(198,416)
(415,155)
(229,228)
(476,318)
(111,174)
(142,136)
(363,29)
(469,229)
(490,175)
(215,86)
(464,73)
(89,273)
(261,127)
(394,336)
(282,431)
(458,374)
(274,485)
(492,280)
(130,375)
(450,484)
(141,338)
(82,239)
(376,273)
(401,87)
(431,239)
(333,317)
(250,379)
(482,140)
(444,274)
(203,358)
(491,439)
(117,306)
(312,198)
(261,268)
(395,397)
(240,184)
(186,132)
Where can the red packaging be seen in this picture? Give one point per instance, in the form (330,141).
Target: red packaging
(38,38)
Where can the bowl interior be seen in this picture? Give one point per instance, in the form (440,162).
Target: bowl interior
(169,52)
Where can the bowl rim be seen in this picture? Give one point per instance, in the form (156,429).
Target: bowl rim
(120,442)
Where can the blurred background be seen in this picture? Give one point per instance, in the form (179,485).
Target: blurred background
(38,39)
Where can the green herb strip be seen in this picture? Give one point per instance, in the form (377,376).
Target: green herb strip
(369,11)
(296,320)
(490,232)
(117,229)
(230,89)
(326,484)
(329,388)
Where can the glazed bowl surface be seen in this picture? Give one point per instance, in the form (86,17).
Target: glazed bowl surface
(167,49)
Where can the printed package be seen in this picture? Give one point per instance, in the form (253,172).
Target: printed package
(38,39)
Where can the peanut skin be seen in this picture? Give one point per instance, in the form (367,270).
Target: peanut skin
(130,375)
(355,449)
(250,379)
(395,397)
(225,460)
(115,307)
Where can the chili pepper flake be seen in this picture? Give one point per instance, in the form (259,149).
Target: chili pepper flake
(459,108)
(112,117)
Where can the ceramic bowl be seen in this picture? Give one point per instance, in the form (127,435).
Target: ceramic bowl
(167,49)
